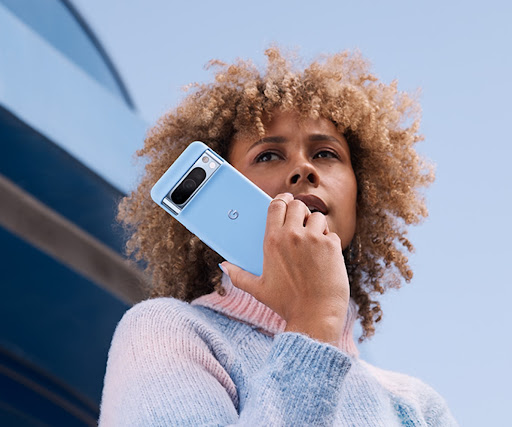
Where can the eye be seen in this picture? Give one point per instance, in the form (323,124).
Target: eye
(324,154)
(267,156)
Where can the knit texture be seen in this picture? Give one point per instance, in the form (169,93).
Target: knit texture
(226,360)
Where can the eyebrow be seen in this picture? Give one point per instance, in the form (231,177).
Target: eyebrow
(281,139)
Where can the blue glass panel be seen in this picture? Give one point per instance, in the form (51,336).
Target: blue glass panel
(53,21)
(54,318)
(23,405)
(58,180)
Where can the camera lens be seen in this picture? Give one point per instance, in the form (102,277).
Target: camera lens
(189,185)
(183,191)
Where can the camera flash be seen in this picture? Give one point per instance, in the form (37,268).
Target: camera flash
(205,159)
(212,165)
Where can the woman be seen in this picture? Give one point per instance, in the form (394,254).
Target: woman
(335,149)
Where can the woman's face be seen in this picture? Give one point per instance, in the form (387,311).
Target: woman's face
(306,159)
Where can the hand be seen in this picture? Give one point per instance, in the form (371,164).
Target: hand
(304,278)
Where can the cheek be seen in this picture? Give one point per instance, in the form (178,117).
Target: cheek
(351,188)
(267,182)
(346,200)
(345,184)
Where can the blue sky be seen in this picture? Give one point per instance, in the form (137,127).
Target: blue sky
(450,326)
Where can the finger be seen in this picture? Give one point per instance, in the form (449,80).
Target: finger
(296,214)
(241,278)
(276,213)
(317,223)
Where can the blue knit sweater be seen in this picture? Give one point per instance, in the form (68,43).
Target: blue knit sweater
(226,361)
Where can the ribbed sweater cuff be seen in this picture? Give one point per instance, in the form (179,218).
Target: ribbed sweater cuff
(308,355)
(300,384)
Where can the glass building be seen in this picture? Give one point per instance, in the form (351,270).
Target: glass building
(68,130)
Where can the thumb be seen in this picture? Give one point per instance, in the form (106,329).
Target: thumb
(240,278)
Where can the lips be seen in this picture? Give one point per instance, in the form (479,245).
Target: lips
(314,203)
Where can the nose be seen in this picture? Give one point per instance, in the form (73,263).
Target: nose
(303,172)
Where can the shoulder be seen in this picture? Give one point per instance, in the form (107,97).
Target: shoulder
(165,324)
(410,393)
(159,311)
(161,347)
(155,314)
(396,382)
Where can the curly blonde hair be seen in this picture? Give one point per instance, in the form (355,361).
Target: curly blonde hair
(380,124)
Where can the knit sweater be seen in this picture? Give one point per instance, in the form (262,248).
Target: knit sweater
(226,360)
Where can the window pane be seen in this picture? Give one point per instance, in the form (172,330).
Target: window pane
(53,21)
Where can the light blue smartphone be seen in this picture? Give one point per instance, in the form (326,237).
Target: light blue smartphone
(216,203)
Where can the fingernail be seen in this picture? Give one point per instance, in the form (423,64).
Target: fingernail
(224,270)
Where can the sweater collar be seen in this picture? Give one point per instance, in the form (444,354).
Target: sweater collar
(242,306)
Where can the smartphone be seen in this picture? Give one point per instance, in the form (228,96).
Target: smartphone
(217,203)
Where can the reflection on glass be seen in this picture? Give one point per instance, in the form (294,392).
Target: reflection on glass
(53,21)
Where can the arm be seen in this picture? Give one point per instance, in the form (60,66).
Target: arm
(161,372)
(413,399)
(437,413)
(300,384)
